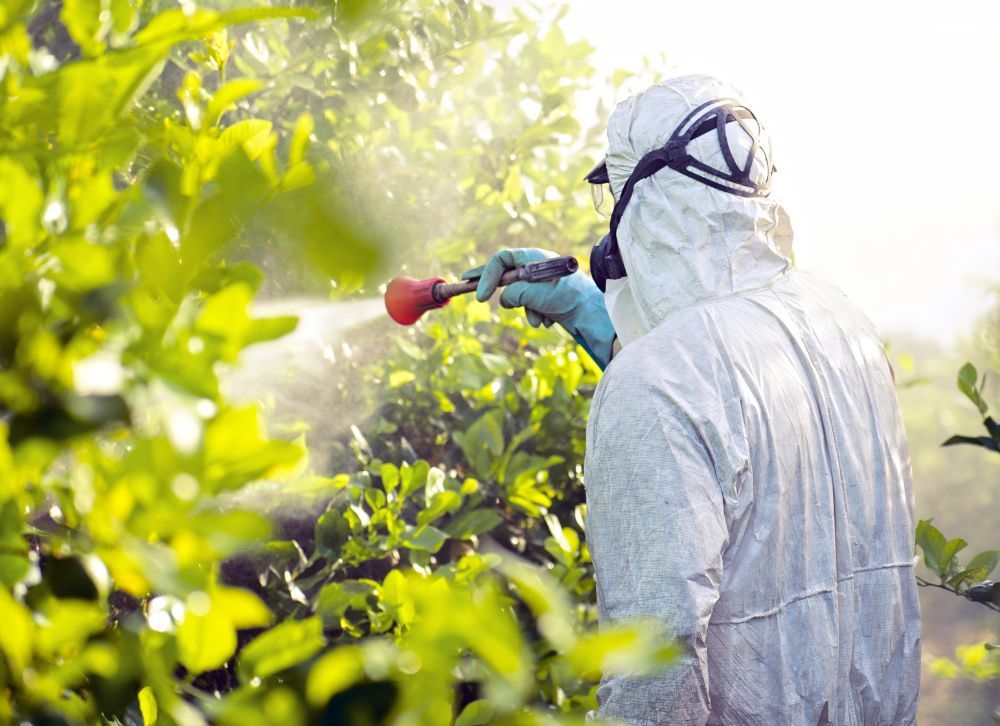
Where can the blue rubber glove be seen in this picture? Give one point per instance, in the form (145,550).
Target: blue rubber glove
(574,302)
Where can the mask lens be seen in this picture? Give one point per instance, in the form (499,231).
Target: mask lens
(604,201)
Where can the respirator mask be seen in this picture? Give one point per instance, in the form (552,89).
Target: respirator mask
(729,119)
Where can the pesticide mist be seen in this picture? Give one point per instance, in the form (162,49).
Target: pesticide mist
(299,377)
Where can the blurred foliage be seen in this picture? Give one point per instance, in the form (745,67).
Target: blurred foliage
(469,472)
(960,689)
(940,553)
(957,488)
(972,386)
(148,152)
(969,580)
(980,662)
(442,129)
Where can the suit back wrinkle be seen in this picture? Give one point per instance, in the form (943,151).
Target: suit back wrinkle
(784,641)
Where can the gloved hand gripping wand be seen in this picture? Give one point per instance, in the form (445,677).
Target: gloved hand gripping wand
(406,299)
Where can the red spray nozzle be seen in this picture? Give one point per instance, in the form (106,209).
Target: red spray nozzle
(407,299)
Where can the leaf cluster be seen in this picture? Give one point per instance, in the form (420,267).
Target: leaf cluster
(141,147)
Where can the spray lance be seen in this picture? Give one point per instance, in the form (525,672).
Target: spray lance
(407,299)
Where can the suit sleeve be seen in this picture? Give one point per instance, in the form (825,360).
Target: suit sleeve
(656,529)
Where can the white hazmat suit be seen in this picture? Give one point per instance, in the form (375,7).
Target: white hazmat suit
(747,473)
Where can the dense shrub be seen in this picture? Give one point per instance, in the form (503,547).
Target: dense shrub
(143,153)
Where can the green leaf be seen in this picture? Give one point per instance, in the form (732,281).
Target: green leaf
(68,625)
(948,552)
(160,267)
(512,189)
(236,452)
(477,713)
(332,532)
(223,309)
(974,661)
(14,563)
(496,364)
(147,706)
(335,240)
(13,568)
(566,125)
(300,139)
(633,648)
(441,503)
(985,561)
(21,201)
(83,266)
(546,599)
(124,15)
(244,609)
(227,95)
(413,477)
(176,25)
(376,499)
(17,633)
(300,175)
(944,668)
(986,442)
(13,11)
(556,529)
(978,568)
(217,219)
(232,530)
(340,668)
(83,20)
(212,279)
(92,96)
(399,378)
(967,378)
(390,477)
(483,442)
(474,522)
(225,315)
(252,134)
(282,647)
(205,641)
(429,539)
(260,330)
(395,598)
(409,348)
(337,597)
(932,542)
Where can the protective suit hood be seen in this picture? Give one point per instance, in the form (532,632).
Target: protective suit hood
(747,475)
(682,241)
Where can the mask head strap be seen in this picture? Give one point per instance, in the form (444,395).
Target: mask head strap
(716,116)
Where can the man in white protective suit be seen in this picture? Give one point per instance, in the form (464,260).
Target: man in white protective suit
(747,474)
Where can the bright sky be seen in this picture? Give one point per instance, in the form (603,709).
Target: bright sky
(885,120)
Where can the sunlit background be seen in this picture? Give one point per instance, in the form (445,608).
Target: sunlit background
(883,118)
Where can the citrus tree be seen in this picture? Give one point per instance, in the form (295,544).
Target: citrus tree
(150,155)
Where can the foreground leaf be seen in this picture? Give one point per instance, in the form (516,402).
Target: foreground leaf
(282,647)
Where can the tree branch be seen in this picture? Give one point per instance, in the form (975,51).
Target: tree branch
(926,583)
